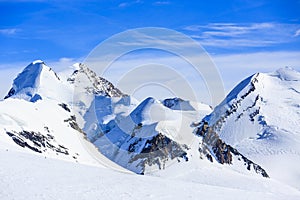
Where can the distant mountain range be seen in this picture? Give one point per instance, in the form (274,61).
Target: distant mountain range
(77,116)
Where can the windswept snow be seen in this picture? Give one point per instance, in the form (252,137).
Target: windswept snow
(26,176)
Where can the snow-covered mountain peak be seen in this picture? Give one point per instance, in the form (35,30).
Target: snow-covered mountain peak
(287,74)
(152,111)
(35,80)
(38,62)
(260,117)
(87,81)
(178,104)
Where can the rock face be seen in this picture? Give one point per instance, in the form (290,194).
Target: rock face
(177,104)
(83,77)
(223,152)
(157,151)
(37,142)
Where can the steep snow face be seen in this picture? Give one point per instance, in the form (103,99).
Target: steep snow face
(44,128)
(35,81)
(87,87)
(261,118)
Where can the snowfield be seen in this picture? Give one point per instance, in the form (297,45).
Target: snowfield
(27,176)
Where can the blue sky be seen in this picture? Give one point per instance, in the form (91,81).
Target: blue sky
(66,31)
(55,29)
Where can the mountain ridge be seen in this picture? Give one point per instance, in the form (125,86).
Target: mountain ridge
(260,117)
(149,135)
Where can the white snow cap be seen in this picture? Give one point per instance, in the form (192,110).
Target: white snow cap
(287,74)
(38,62)
(35,79)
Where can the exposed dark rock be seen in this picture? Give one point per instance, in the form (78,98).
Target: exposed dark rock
(47,129)
(10,93)
(222,152)
(73,124)
(40,143)
(158,150)
(100,86)
(65,106)
(258,169)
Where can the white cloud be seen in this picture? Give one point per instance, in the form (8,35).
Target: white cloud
(122,5)
(63,63)
(158,3)
(23,1)
(9,31)
(236,42)
(297,33)
(249,35)
(229,27)
(129,3)
(192,28)
(236,67)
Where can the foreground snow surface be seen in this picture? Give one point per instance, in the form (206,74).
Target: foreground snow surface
(28,176)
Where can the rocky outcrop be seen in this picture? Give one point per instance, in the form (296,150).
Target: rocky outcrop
(223,153)
(157,151)
(97,85)
(73,124)
(37,142)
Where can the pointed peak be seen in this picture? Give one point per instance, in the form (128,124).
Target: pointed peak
(75,67)
(87,80)
(28,81)
(149,111)
(38,62)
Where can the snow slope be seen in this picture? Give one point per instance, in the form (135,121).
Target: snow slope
(261,118)
(27,176)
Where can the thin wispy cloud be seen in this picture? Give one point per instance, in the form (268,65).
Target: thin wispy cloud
(297,33)
(159,3)
(235,67)
(129,3)
(9,31)
(20,1)
(249,35)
